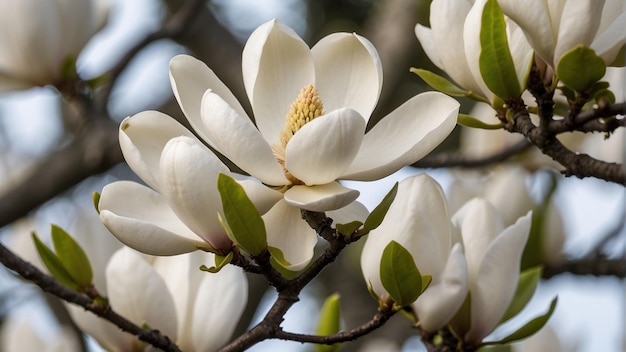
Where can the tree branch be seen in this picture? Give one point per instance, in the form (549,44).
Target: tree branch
(49,284)
(458,160)
(598,266)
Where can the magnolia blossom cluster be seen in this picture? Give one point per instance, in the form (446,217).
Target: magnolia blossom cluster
(470,255)
(38,37)
(311,107)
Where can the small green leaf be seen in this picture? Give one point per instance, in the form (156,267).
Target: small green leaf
(495,60)
(529,328)
(605,96)
(68,68)
(278,262)
(72,257)
(568,93)
(399,274)
(329,322)
(534,251)
(426,280)
(349,228)
(220,262)
(244,220)
(470,121)
(378,214)
(496,348)
(526,285)
(54,265)
(96,201)
(440,83)
(579,68)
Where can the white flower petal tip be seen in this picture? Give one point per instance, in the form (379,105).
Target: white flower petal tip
(408,133)
(141,219)
(326,197)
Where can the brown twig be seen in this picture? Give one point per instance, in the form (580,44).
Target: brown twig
(458,160)
(597,266)
(49,284)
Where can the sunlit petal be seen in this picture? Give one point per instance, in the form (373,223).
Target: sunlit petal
(330,196)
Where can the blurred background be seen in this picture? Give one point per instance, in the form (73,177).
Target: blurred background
(42,181)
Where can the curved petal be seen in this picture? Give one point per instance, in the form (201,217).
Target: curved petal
(287,231)
(140,218)
(142,139)
(188,174)
(326,197)
(506,184)
(442,299)
(351,212)
(235,137)
(404,136)
(425,37)
(495,286)
(321,151)
(473,48)
(276,65)
(138,292)
(220,301)
(579,24)
(479,224)
(348,73)
(261,196)
(190,79)
(108,335)
(609,43)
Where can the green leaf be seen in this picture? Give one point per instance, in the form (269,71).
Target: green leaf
(470,121)
(399,275)
(440,83)
(68,68)
(278,261)
(496,348)
(96,201)
(378,214)
(220,262)
(568,93)
(244,220)
(529,328)
(329,322)
(526,285)
(72,256)
(534,251)
(426,280)
(54,265)
(349,228)
(579,68)
(495,60)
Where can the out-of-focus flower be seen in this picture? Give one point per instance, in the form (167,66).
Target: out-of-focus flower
(545,340)
(553,27)
(179,213)
(37,37)
(18,334)
(493,256)
(418,220)
(311,107)
(453,43)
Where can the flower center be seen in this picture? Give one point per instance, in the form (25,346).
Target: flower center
(304,109)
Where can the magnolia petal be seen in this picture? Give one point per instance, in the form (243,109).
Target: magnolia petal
(473,47)
(235,137)
(276,65)
(188,174)
(442,299)
(190,79)
(506,184)
(351,212)
(579,24)
(348,73)
(479,224)
(288,232)
(108,335)
(533,16)
(219,303)
(425,37)
(609,43)
(326,197)
(138,292)
(321,151)
(447,18)
(497,278)
(142,139)
(140,218)
(261,196)
(404,136)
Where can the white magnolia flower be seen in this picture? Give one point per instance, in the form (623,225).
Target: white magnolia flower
(179,213)
(418,220)
(553,27)
(493,256)
(197,310)
(36,37)
(453,43)
(311,107)
(20,334)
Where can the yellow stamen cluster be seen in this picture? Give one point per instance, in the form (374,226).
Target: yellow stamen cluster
(304,109)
